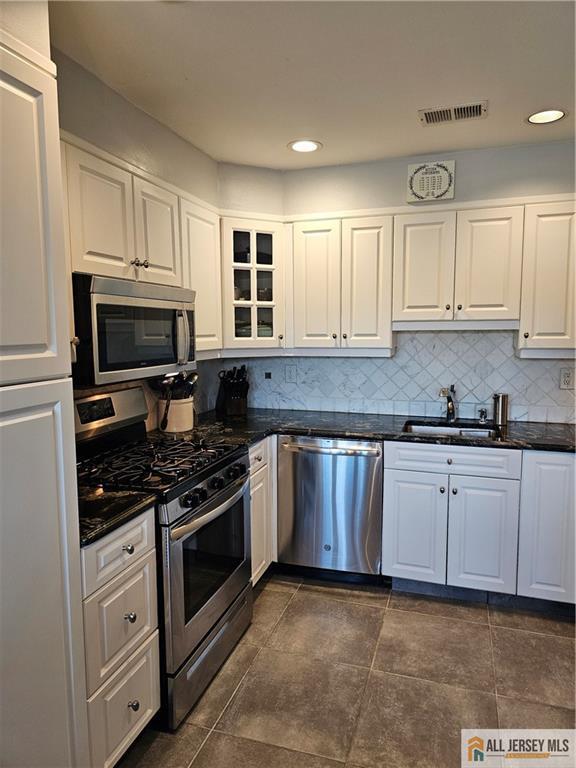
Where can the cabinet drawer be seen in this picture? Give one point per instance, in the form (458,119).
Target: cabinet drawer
(454,459)
(113,723)
(259,455)
(118,618)
(105,558)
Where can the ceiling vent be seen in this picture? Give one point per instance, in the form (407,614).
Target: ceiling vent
(437,115)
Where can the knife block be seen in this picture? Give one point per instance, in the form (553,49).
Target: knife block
(232,400)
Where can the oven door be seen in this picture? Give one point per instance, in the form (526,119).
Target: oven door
(206,565)
(135,337)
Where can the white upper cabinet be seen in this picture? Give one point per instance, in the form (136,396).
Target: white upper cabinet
(200,234)
(367,282)
(483,533)
(317,274)
(34,339)
(101,216)
(253,284)
(546,549)
(488,264)
(547,313)
(157,234)
(424,246)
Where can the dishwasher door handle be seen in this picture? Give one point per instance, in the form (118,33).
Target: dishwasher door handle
(295,448)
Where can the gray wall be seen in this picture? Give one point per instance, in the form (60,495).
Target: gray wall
(28,22)
(92,111)
(245,188)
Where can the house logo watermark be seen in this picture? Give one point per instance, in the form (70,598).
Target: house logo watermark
(538,748)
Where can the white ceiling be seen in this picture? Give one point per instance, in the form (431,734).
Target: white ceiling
(241,79)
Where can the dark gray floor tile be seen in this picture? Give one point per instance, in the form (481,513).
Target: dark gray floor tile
(332,630)
(514,713)
(299,703)
(279,582)
(367,594)
(545,623)
(408,723)
(432,648)
(223,751)
(437,606)
(268,607)
(154,749)
(534,667)
(217,695)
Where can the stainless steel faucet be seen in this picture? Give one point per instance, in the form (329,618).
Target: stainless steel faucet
(449,394)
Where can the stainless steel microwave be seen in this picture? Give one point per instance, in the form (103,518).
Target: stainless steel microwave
(127,330)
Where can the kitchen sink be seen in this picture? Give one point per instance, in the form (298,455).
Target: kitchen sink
(451,430)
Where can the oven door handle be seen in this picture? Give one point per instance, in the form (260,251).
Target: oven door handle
(181,335)
(199,522)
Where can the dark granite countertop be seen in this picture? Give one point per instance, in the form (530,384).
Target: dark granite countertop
(260,422)
(102,511)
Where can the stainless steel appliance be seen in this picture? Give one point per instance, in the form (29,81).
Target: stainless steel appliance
(330,503)
(127,330)
(202,491)
(500,415)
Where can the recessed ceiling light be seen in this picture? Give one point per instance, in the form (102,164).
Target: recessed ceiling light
(546,116)
(305,145)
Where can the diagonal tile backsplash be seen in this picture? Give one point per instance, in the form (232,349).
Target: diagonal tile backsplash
(478,363)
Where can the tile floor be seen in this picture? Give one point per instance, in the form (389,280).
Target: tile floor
(354,676)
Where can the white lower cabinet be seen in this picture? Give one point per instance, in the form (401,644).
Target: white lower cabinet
(262,508)
(121,637)
(483,533)
(547,511)
(121,708)
(414,526)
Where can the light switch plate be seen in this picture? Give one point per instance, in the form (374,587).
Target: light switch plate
(566,378)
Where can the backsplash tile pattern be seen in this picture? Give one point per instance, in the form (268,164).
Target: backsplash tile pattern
(478,363)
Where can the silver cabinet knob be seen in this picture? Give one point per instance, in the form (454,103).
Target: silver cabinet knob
(526,335)
(344,335)
(334,335)
(442,489)
(75,341)
(448,461)
(128,548)
(447,306)
(280,336)
(134,705)
(454,491)
(459,306)
(136,262)
(145,263)
(258,458)
(131,617)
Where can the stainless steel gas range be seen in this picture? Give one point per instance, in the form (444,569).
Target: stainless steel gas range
(203,514)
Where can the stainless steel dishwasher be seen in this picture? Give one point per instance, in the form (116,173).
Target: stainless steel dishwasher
(330,503)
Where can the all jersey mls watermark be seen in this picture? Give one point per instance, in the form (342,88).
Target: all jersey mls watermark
(522,747)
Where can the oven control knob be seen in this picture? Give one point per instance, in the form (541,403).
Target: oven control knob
(241,467)
(191,500)
(202,493)
(216,483)
(234,472)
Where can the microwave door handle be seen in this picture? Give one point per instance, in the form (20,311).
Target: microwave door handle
(199,522)
(187,337)
(181,351)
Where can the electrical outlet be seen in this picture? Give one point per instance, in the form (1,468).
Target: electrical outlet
(290,374)
(566,378)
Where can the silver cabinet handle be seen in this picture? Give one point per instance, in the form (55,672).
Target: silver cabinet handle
(131,617)
(454,491)
(128,548)
(134,705)
(442,490)
(372,452)
(199,522)
(448,461)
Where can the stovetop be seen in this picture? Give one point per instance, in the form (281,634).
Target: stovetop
(158,464)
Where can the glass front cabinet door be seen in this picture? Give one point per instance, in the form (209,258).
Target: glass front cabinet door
(253,277)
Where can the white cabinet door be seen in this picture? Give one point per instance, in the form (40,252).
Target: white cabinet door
(483,533)
(488,264)
(157,234)
(546,550)
(317,267)
(261,522)
(547,311)
(414,525)
(101,215)
(424,245)
(43,700)
(200,230)
(253,284)
(34,339)
(367,282)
